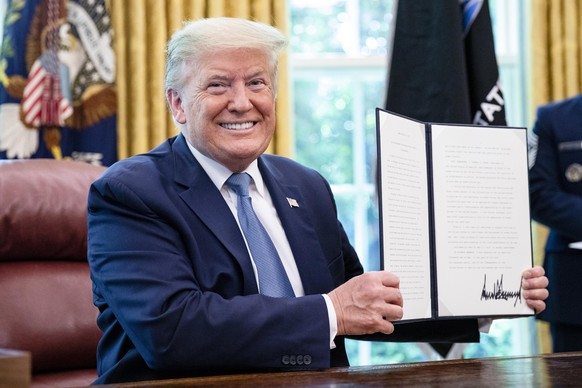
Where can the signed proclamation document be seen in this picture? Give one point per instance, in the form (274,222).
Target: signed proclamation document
(454,211)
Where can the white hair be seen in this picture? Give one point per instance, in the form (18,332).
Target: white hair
(199,37)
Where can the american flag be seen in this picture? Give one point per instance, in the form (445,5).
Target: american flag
(43,103)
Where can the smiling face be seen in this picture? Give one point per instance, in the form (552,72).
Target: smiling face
(227,106)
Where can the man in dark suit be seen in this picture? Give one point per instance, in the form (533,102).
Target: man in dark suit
(177,281)
(556,201)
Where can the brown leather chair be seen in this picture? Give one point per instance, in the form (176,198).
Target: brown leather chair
(46,305)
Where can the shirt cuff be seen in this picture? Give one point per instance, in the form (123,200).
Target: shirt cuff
(332,320)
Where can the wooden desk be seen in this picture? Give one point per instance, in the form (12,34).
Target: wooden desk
(562,369)
(15,369)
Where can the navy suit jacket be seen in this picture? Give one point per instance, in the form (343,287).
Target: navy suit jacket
(174,284)
(556,201)
(173,280)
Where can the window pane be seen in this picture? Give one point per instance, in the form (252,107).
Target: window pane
(375,21)
(318,28)
(335,112)
(324,125)
(340,26)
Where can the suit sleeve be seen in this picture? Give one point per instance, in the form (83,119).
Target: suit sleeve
(552,204)
(146,286)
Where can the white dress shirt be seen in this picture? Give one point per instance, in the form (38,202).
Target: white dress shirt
(267,214)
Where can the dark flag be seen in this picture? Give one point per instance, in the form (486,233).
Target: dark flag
(57,82)
(443,67)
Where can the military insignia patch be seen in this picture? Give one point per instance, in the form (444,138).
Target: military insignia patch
(532,148)
(574,173)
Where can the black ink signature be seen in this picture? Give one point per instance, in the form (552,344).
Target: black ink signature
(499,293)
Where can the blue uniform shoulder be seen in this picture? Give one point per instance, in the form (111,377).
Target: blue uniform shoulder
(562,105)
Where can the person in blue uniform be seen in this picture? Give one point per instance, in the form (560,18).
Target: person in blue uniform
(555,151)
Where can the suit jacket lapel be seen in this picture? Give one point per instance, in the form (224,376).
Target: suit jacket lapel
(202,196)
(300,232)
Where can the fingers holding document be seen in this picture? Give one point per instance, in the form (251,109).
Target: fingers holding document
(368,303)
(534,285)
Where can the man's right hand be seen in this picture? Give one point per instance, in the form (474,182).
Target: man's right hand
(367,304)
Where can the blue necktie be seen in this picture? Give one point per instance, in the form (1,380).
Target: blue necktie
(273,280)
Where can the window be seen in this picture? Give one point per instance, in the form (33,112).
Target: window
(338,71)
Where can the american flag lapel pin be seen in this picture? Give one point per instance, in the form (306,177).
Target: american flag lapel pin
(292,202)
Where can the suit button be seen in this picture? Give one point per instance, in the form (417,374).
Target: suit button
(299,359)
(292,360)
(307,359)
(285,360)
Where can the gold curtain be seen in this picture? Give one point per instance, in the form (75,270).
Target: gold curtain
(556,59)
(142,28)
(556,39)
